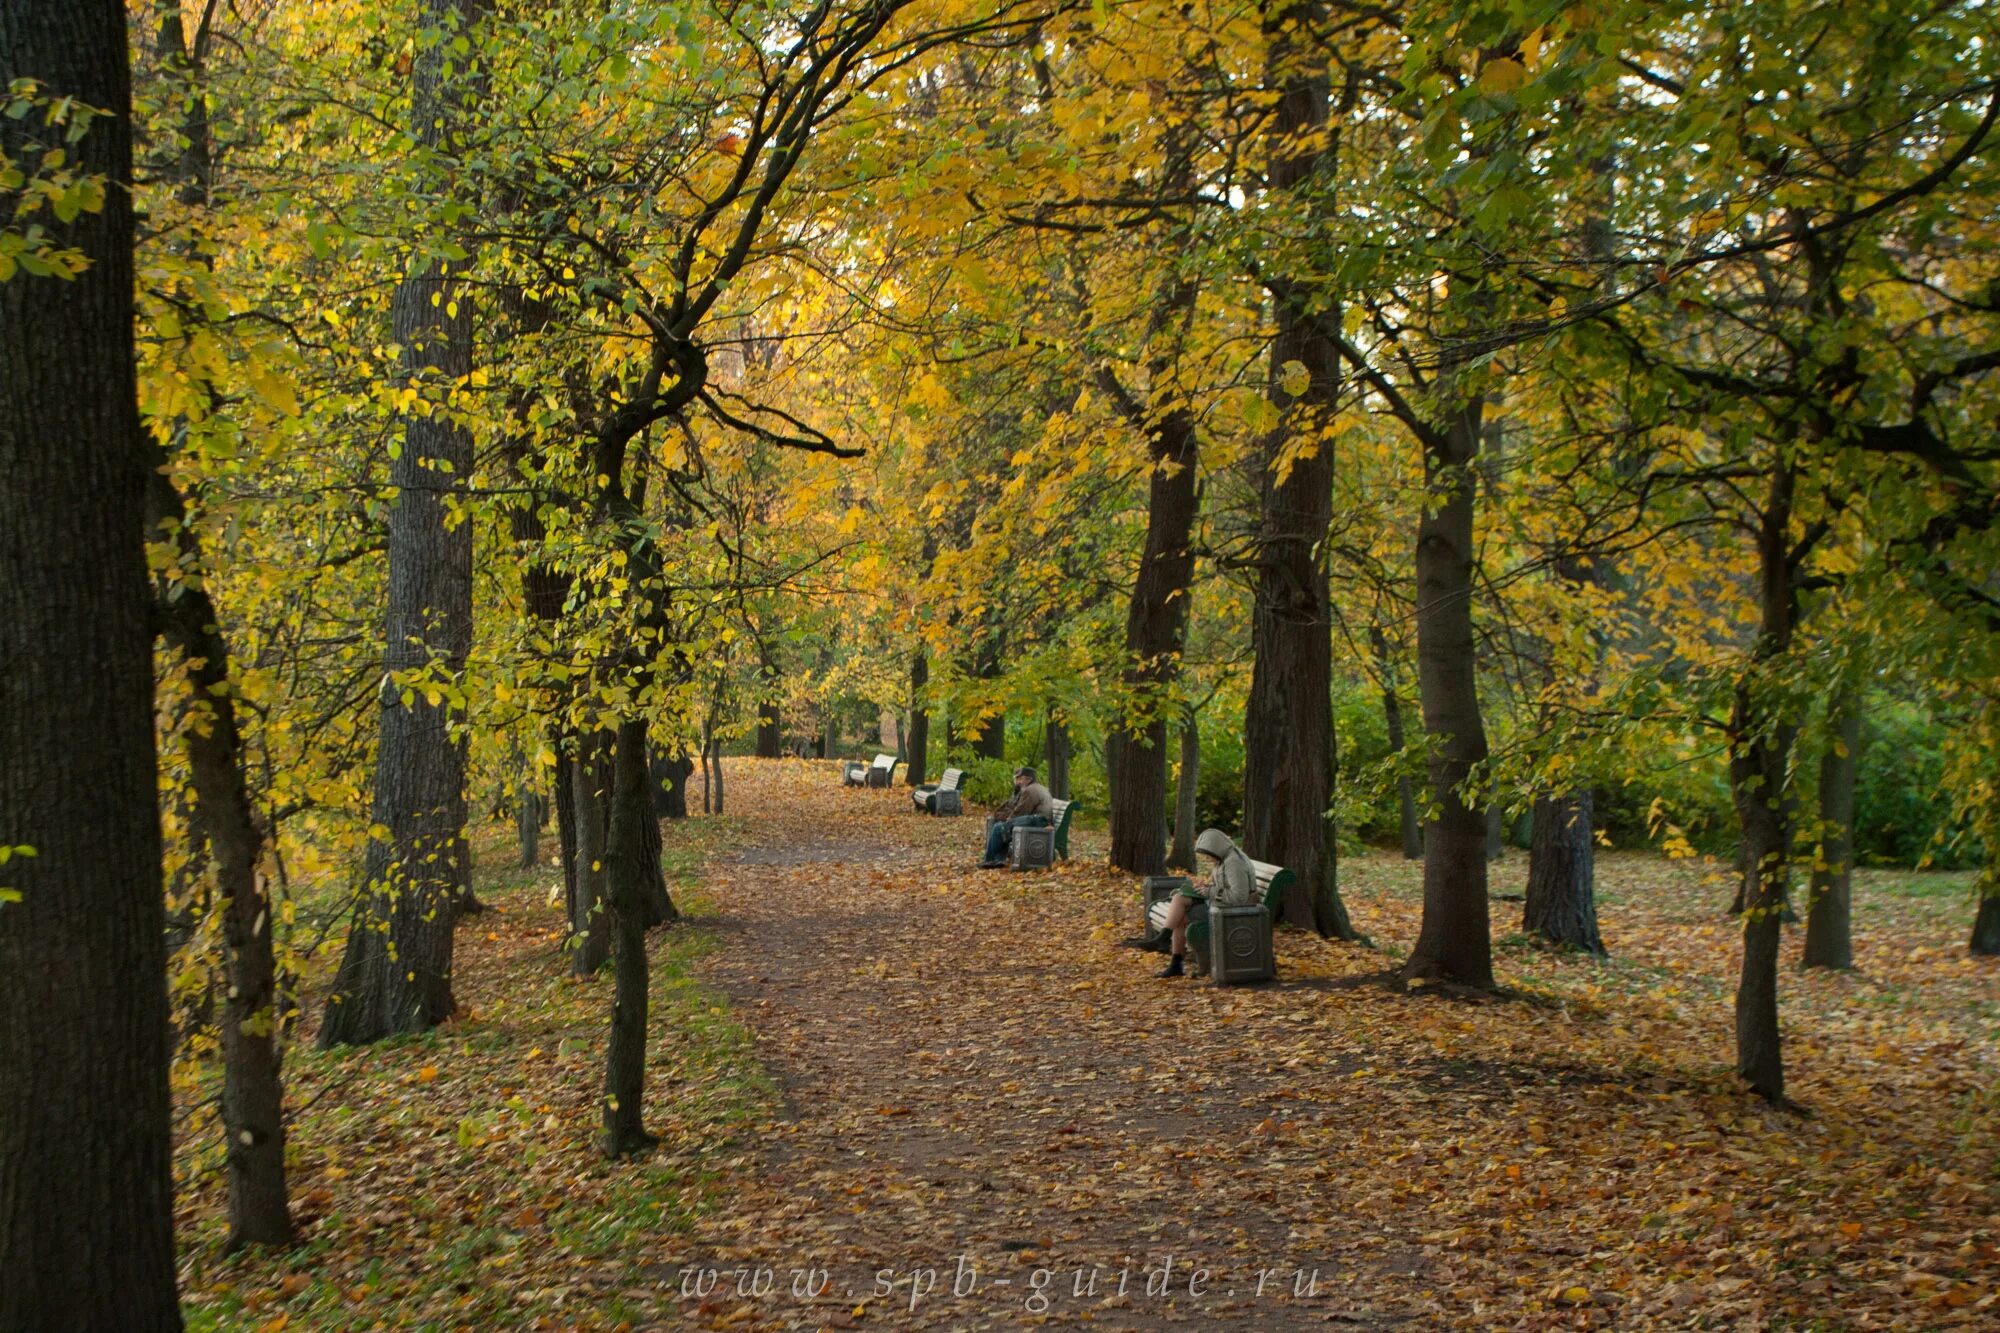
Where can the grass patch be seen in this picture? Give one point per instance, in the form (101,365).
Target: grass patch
(454,1179)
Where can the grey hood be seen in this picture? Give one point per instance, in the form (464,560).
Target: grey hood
(1215,842)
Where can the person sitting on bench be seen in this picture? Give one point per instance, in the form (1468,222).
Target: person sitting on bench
(1232,883)
(1032,807)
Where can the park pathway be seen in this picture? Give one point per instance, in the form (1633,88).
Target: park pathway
(991,1113)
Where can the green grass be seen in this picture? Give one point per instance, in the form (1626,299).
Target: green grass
(423,1151)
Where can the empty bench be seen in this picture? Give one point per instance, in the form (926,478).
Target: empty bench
(875,774)
(940,797)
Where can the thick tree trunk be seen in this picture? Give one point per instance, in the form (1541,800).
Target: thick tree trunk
(253,1118)
(1829,903)
(86,1216)
(1562,884)
(625,1061)
(1288,741)
(1188,792)
(1454,942)
(1155,630)
(1759,781)
(395,975)
(1056,751)
(917,745)
(1410,827)
(660,909)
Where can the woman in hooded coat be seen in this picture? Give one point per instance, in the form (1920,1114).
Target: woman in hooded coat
(1231,883)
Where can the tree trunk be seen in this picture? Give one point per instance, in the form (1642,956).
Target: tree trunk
(1155,628)
(1985,939)
(715,766)
(660,909)
(626,880)
(770,729)
(1760,751)
(917,751)
(395,975)
(992,742)
(1562,886)
(670,779)
(1829,930)
(566,819)
(1182,855)
(86,1211)
(1411,828)
(589,926)
(1056,750)
(528,817)
(1454,942)
(253,1118)
(1288,741)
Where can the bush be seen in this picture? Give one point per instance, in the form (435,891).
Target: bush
(1901,811)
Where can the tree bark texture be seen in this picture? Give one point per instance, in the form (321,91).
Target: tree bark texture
(1288,741)
(86,1218)
(253,1118)
(1562,877)
(917,744)
(1760,753)
(1155,632)
(589,940)
(1454,943)
(395,975)
(1830,900)
(1055,752)
(1985,940)
(626,881)
(670,779)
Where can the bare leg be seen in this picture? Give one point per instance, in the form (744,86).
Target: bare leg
(1177,914)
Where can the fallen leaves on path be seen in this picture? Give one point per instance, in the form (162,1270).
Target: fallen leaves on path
(987,1114)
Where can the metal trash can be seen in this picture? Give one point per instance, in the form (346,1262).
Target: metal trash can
(1032,849)
(1240,945)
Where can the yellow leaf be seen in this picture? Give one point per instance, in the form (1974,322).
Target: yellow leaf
(1503,76)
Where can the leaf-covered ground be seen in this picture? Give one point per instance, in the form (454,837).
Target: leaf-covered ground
(897,1091)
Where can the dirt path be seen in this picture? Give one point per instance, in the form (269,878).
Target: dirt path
(992,1114)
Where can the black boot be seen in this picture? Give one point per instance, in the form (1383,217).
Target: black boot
(1175,968)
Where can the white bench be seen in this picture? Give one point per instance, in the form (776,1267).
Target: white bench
(930,797)
(876,774)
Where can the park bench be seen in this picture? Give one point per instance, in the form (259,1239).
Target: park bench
(1234,944)
(876,774)
(940,797)
(1038,848)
